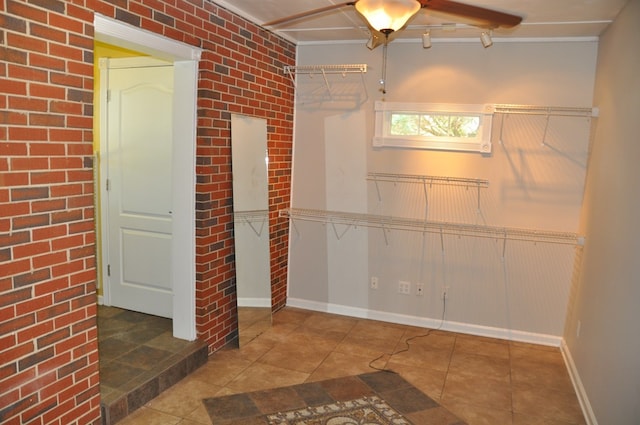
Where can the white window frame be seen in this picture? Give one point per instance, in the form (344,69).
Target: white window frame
(481,143)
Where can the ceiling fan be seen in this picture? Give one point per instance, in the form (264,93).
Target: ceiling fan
(387,16)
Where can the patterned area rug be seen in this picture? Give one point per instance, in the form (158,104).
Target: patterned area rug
(379,398)
(366,410)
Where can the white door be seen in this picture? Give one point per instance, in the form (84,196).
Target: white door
(139,148)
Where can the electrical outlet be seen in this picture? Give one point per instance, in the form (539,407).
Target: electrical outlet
(445,292)
(374,282)
(404,287)
(419,289)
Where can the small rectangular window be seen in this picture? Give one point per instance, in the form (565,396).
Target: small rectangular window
(434,126)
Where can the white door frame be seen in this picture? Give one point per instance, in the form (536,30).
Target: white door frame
(185,60)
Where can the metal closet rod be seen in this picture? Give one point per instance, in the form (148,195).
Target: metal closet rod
(546,110)
(327,69)
(442,228)
(416,178)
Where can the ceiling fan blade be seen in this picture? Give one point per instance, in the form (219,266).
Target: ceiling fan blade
(492,18)
(308,13)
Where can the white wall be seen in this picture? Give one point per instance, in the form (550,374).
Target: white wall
(605,313)
(534,186)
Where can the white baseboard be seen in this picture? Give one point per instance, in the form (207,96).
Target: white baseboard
(100,300)
(254,302)
(587,410)
(466,328)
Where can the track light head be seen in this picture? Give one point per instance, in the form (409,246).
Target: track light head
(426,39)
(486,40)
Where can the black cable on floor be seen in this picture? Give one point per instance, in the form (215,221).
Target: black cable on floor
(408,340)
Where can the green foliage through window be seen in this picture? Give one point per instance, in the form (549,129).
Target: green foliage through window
(434,125)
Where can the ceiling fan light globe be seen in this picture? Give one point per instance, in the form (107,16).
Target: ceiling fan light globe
(387,16)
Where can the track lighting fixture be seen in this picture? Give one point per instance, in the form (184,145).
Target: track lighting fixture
(426,39)
(486,40)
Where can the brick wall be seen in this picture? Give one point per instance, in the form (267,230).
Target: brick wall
(48,335)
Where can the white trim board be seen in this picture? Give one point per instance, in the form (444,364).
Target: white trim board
(424,322)
(581,392)
(185,60)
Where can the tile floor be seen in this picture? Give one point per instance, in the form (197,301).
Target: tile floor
(139,358)
(481,380)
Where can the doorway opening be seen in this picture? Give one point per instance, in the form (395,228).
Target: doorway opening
(143,354)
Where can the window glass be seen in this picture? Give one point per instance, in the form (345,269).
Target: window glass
(434,126)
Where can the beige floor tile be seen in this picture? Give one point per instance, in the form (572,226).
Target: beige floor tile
(190,422)
(427,380)
(519,419)
(478,415)
(430,339)
(490,347)
(337,365)
(302,358)
(420,355)
(478,391)
(221,368)
(147,416)
(546,374)
(200,416)
(547,403)
(480,366)
(329,322)
(260,376)
(184,397)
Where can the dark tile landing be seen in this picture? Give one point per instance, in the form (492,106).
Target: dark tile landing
(139,358)
(252,408)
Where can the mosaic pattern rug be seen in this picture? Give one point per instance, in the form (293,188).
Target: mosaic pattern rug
(366,410)
(379,398)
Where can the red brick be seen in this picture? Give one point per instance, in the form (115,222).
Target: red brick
(47,33)
(14,353)
(53,337)
(27,104)
(57,310)
(17,323)
(50,286)
(68,294)
(50,366)
(66,216)
(43,379)
(31,278)
(27,12)
(48,177)
(19,72)
(16,267)
(30,221)
(20,194)
(35,358)
(13,118)
(14,297)
(7,370)
(14,238)
(68,268)
(15,179)
(47,149)
(31,249)
(13,87)
(50,232)
(26,334)
(49,259)
(17,407)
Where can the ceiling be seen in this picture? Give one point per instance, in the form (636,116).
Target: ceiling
(542,19)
